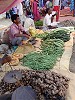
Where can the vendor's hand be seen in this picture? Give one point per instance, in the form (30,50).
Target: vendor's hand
(25,42)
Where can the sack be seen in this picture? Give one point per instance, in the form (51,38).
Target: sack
(6,39)
(3,48)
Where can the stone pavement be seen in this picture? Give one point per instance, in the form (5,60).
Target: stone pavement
(5,22)
(72,60)
(66,18)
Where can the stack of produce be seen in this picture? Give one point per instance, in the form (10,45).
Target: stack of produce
(33,31)
(58,34)
(45,60)
(39,31)
(39,23)
(67,23)
(17,55)
(48,85)
(52,48)
(41,35)
(15,59)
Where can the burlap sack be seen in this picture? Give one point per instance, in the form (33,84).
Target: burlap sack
(5,38)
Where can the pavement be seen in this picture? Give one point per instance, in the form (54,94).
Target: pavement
(66,18)
(72,59)
(5,22)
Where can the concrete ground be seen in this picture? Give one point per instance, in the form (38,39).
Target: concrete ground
(66,18)
(72,59)
(5,22)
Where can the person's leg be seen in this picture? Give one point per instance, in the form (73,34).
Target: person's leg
(24,38)
(56,8)
(7,15)
(16,41)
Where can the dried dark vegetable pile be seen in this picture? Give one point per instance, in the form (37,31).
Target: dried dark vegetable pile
(48,85)
(67,23)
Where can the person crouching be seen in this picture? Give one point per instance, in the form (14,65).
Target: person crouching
(17,32)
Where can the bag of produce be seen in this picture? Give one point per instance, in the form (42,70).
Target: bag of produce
(32,31)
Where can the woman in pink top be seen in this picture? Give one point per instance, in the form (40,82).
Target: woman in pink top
(35,11)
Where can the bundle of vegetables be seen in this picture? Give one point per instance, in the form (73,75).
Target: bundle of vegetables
(53,46)
(41,35)
(45,60)
(63,34)
(39,23)
(58,34)
(32,31)
(39,61)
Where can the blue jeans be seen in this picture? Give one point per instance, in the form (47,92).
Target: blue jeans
(7,15)
(41,3)
(18,40)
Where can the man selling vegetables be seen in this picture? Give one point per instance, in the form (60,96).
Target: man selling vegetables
(48,19)
(17,32)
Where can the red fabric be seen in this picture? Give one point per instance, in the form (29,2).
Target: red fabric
(36,11)
(57,9)
(8,4)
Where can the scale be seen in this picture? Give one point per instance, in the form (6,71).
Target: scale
(12,76)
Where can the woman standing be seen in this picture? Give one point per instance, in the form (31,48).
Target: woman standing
(56,4)
(31,2)
(35,11)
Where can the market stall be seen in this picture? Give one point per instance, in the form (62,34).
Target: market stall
(40,58)
(51,48)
